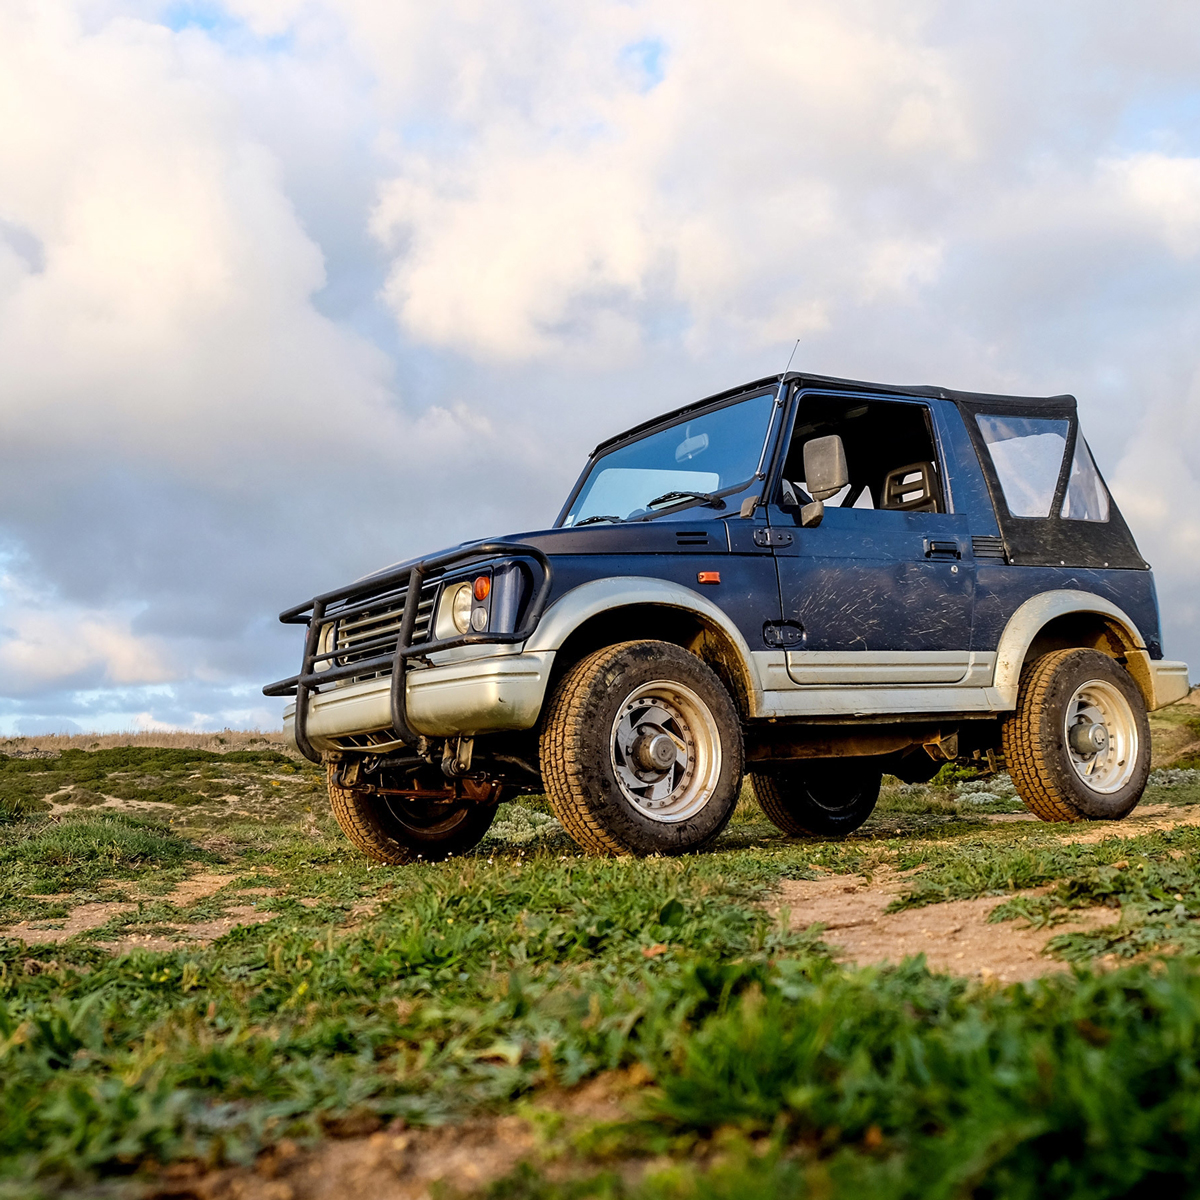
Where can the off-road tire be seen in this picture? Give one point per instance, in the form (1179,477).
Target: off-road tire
(579,764)
(1035,743)
(372,824)
(822,798)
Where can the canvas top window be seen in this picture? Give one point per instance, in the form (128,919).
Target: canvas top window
(1087,497)
(1027,454)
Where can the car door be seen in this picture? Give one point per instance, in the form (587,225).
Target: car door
(881,591)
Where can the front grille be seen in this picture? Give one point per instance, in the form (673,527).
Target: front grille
(374,632)
(988,547)
(371,627)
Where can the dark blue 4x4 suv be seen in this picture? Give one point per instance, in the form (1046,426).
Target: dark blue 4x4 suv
(812,580)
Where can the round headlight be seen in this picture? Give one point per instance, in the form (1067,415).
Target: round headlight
(324,645)
(460,607)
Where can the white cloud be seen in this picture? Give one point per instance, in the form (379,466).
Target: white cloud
(579,199)
(325,283)
(45,644)
(1167,189)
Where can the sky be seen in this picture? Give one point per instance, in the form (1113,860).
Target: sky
(293,289)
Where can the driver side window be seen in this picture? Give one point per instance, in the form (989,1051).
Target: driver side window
(890,453)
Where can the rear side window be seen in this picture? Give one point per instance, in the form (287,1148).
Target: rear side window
(1027,453)
(1087,497)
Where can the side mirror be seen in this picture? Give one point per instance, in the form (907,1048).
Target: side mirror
(825,473)
(825,470)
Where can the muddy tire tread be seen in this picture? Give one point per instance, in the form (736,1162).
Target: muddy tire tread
(353,814)
(580,786)
(1023,753)
(561,742)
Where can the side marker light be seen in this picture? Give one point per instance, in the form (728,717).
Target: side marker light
(708,577)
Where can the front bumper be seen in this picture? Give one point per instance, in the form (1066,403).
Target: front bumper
(381,663)
(478,695)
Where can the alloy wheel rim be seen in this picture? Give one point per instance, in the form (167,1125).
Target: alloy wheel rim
(1101,737)
(653,717)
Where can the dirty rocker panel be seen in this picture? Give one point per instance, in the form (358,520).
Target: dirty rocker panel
(320,667)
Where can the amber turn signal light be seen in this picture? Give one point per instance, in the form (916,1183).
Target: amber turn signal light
(483,585)
(708,577)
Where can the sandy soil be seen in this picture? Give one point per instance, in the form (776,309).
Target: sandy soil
(391,1164)
(92,916)
(396,1163)
(954,936)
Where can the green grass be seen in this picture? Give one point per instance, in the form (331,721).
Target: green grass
(900,1084)
(139,773)
(473,985)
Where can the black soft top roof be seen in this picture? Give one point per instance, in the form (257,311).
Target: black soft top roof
(973,401)
(1035,541)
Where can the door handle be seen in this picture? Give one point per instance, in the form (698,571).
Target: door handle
(938,549)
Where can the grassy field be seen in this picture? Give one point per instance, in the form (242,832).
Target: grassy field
(204,992)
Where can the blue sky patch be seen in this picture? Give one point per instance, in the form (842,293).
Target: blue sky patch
(222,26)
(647,60)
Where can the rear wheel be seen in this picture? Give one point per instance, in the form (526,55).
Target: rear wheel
(827,797)
(394,826)
(1078,745)
(641,751)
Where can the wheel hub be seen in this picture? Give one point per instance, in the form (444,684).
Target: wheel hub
(1101,736)
(666,751)
(1088,738)
(654,751)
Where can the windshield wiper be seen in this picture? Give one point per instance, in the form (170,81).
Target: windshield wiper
(705,497)
(593,520)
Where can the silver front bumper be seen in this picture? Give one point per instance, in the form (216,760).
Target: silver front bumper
(478,695)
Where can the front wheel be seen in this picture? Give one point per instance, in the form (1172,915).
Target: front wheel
(641,751)
(826,797)
(1078,745)
(394,826)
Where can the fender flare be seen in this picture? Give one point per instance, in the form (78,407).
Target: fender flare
(588,600)
(1037,612)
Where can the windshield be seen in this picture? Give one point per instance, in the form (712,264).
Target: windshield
(713,454)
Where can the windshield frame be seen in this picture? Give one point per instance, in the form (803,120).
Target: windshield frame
(681,418)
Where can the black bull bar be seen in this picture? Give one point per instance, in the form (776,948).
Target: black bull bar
(359,598)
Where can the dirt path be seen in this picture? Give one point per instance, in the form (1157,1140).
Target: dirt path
(396,1163)
(954,936)
(391,1164)
(188,891)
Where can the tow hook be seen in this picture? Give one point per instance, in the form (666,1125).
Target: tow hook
(456,756)
(943,748)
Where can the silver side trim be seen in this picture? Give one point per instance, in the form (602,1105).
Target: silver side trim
(877,701)
(1170,682)
(826,667)
(839,688)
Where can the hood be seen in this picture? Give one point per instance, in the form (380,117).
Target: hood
(632,537)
